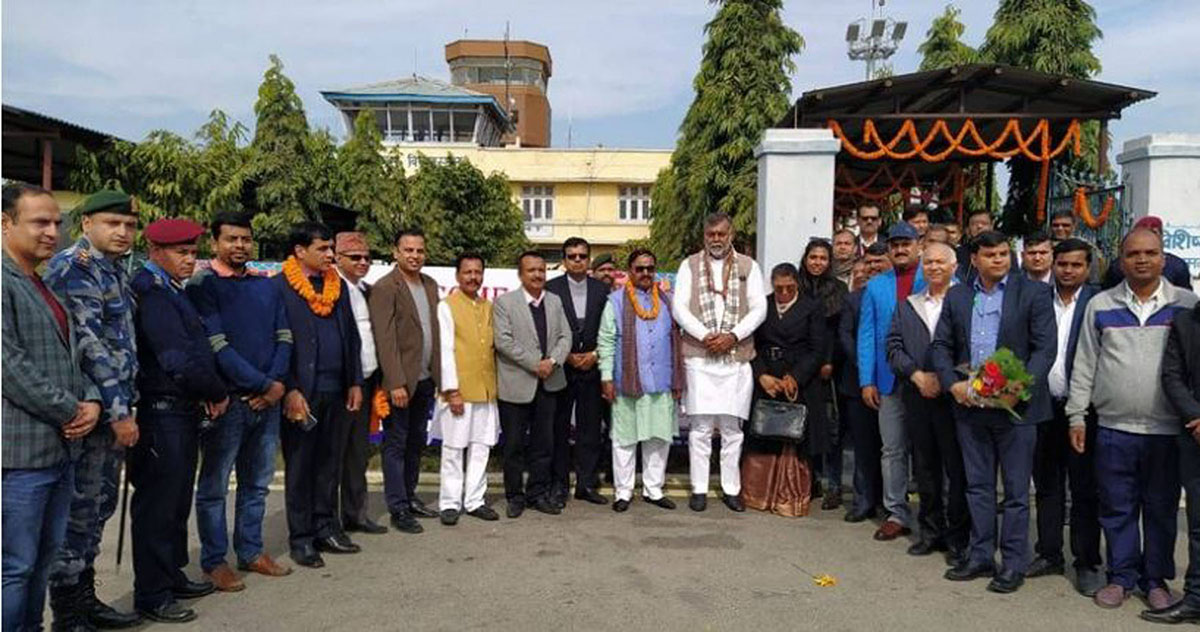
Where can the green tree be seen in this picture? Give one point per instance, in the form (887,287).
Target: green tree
(372,183)
(742,88)
(943,46)
(279,164)
(1051,36)
(462,210)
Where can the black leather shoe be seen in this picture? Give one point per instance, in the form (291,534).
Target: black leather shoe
(955,556)
(483,512)
(1178,612)
(546,506)
(1041,567)
(333,545)
(345,540)
(406,523)
(859,516)
(664,502)
(73,604)
(698,502)
(420,510)
(621,505)
(516,507)
(192,590)
(965,572)
(307,556)
(734,503)
(170,612)
(449,517)
(926,547)
(110,618)
(591,495)
(558,496)
(366,526)
(1006,582)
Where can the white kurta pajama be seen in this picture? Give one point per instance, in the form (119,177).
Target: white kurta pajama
(473,432)
(719,389)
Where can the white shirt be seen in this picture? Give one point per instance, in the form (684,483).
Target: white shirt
(1143,311)
(578,295)
(1064,314)
(932,310)
(529,300)
(362,318)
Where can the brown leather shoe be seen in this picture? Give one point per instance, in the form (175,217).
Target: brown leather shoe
(264,565)
(890,530)
(224,579)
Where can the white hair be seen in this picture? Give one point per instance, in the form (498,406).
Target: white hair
(950,254)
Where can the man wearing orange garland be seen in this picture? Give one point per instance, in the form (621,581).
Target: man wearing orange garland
(324,388)
(642,376)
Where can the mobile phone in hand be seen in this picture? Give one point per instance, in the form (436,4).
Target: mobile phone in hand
(309,422)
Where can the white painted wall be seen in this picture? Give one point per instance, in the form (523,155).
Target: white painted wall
(1161,174)
(795,192)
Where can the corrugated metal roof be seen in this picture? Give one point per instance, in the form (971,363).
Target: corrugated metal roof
(415,85)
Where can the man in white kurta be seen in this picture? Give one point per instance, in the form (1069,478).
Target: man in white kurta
(639,375)
(719,301)
(466,417)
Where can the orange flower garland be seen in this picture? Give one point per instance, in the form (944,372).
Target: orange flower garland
(655,302)
(321,304)
(1084,212)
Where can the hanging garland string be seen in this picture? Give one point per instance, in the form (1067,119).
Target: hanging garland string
(1084,212)
(1039,138)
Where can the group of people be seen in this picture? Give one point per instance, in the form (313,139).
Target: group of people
(190,376)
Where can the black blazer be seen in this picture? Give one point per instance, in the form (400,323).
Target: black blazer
(1085,295)
(908,343)
(583,332)
(847,332)
(1026,327)
(1181,365)
(302,374)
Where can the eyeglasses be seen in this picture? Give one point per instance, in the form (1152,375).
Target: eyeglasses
(577,257)
(358,258)
(868,219)
(641,269)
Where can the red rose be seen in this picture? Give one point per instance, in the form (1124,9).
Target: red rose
(1001,382)
(992,369)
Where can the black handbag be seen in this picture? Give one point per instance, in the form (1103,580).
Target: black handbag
(776,419)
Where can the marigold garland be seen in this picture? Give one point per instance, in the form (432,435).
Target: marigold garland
(655,302)
(1034,146)
(321,304)
(1084,212)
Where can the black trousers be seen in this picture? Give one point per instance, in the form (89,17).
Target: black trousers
(162,470)
(1054,464)
(351,444)
(1189,471)
(310,467)
(404,436)
(868,470)
(528,441)
(938,469)
(582,395)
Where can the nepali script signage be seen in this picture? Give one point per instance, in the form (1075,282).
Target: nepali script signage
(1184,241)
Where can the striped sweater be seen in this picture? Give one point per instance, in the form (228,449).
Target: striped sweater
(1118,362)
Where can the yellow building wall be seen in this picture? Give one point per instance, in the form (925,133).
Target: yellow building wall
(586,184)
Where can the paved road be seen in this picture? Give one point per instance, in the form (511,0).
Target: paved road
(648,569)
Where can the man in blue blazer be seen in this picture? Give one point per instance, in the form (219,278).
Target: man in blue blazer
(1053,459)
(875,377)
(996,310)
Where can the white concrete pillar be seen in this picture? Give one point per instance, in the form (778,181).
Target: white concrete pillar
(1161,174)
(795,192)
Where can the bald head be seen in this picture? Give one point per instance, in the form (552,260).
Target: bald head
(938,264)
(1142,258)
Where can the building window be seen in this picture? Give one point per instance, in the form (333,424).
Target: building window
(633,204)
(538,203)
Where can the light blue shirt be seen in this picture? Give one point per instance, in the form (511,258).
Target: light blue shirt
(985,320)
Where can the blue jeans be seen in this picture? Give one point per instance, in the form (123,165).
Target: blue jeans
(894,457)
(246,439)
(37,503)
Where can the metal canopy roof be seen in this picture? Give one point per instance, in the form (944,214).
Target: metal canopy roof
(416,89)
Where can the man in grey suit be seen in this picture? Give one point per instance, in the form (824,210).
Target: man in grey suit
(48,407)
(532,338)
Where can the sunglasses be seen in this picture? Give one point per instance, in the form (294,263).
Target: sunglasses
(358,258)
(868,219)
(640,269)
(577,257)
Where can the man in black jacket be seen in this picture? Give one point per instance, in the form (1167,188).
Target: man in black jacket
(944,519)
(324,384)
(179,385)
(583,300)
(1181,383)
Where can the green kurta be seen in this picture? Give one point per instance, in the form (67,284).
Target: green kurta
(634,419)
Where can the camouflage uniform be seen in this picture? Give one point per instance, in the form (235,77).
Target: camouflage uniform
(101,304)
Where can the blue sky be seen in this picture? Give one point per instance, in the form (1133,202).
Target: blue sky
(622,68)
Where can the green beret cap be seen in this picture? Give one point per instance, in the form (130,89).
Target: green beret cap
(601,260)
(108,201)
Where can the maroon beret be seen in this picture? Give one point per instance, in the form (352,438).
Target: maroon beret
(173,231)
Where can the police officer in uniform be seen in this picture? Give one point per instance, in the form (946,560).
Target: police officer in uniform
(180,387)
(92,278)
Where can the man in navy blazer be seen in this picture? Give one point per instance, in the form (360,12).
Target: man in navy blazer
(1053,459)
(875,377)
(996,310)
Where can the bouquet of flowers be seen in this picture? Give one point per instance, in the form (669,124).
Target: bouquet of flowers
(1001,382)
